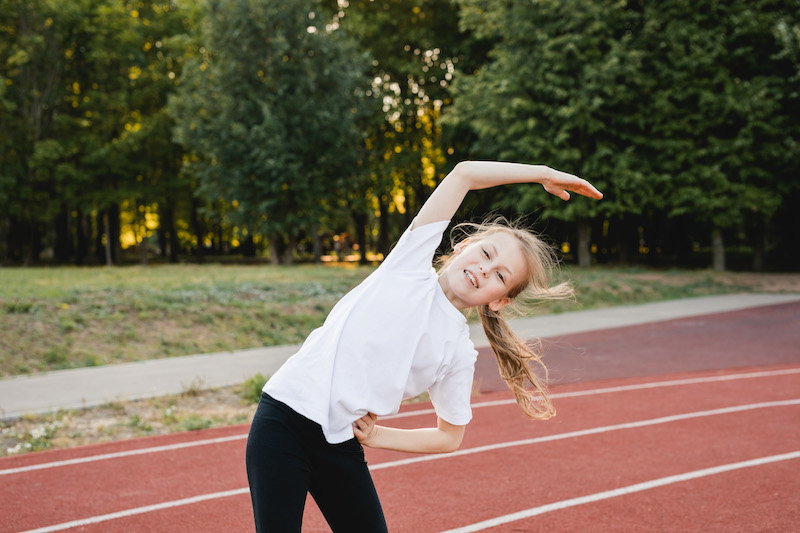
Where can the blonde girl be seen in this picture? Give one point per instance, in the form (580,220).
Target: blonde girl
(399,333)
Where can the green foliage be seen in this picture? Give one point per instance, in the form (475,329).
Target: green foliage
(250,390)
(268,111)
(291,119)
(670,107)
(564,86)
(193,422)
(414,45)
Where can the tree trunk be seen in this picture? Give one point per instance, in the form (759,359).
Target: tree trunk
(197,227)
(99,227)
(141,221)
(107,232)
(5,223)
(82,241)
(759,247)
(248,246)
(627,239)
(143,252)
(172,235)
(15,240)
(288,253)
(717,250)
(410,212)
(114,228)
(33,247)
(63,247)
(317,244)
(684,250)
(360,220)
(584,237)
(383,226)
(274,250)
(161,233)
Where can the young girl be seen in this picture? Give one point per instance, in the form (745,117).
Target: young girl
(399,333)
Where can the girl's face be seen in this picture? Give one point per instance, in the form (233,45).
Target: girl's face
(483,272)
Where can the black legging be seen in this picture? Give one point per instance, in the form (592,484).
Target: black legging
(288,456)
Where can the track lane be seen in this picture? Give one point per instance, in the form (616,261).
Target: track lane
(755,337)
(478,487)
(492,423)
(731,500)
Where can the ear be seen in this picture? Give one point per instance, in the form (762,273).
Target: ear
(499,303)
(460,246)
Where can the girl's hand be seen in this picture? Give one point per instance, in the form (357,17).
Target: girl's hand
(467,176)
(558,183)
(365,429)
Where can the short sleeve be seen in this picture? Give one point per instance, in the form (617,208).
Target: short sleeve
(415,249)
(451,395)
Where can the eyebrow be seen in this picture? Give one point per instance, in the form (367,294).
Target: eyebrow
(504,267)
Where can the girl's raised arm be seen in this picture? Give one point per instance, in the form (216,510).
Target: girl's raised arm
(473,175)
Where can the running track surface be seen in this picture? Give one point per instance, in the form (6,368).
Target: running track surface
(685,425)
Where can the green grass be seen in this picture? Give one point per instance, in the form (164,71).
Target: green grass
(55,318)
(608,287)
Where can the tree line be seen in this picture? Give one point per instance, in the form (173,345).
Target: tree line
(265,127)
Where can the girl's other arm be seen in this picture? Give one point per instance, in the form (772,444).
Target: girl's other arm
(442,439)
(473,175)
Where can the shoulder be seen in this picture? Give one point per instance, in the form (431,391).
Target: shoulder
(416,247)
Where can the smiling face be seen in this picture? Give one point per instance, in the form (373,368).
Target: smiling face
(484,272)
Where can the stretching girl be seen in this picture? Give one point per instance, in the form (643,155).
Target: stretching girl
(396,335)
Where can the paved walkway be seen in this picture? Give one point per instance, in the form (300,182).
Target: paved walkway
(87,387)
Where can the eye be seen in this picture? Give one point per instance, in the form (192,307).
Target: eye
(499,275)
(485,253)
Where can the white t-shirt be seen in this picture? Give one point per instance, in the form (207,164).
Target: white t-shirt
(392,337)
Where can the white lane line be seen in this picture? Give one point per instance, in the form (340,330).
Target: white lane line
(138,510)
(585,432)
(622,388)
(477,405)
(391,464)
(630,489)
(117,455)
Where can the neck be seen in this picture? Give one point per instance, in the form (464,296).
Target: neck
(445,285)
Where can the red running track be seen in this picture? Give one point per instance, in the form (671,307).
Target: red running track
(706,450)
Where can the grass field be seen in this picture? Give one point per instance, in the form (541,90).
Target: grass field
(56,318)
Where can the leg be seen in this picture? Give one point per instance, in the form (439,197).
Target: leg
(343,489)
(277,469)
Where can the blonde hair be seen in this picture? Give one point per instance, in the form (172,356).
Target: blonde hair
(514,356)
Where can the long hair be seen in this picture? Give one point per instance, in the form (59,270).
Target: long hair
(514,356)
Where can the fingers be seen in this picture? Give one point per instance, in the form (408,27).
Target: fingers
(364,427)
(589,190)
(560,182)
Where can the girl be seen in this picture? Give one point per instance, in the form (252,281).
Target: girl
(399,333)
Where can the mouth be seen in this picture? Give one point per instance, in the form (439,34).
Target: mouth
(471,277)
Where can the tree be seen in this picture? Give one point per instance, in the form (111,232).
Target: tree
(31,60)
(562,88)
(672,108)
(85,90)
(714,114)
(268,110)
(415,46)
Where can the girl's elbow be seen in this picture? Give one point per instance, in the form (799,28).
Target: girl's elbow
(453,443)
(463,173)
(452,447)
(463,168)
